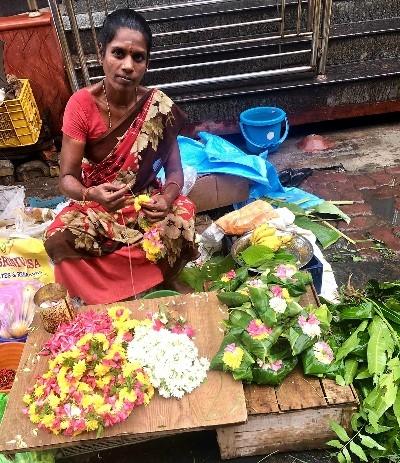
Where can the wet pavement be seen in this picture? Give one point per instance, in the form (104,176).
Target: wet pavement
(358,169)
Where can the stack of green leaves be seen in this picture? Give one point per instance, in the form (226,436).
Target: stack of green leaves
(367,328)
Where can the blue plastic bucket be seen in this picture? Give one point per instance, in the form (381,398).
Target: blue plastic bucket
(261,128)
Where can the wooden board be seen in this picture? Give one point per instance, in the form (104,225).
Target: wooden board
(292,416)
(218,401)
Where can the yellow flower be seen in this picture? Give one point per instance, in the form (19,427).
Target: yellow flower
(84,339)
(142,378)
(98,401)
(139,200)
(233,359)
(53,400)
(86,401)
(35,418)
(225,279)
(119,312)
(83,387)
(64,424)
(101,370)
(48,419)
(92,425)
(32,409)
(106,408)
(125,394)
(128,369)
(79,368)
(26,399)
(244,291)
(286,295)
(148,396)
(39,391)
(49,373)
(61,380)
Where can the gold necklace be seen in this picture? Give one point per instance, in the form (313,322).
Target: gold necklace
(108,104)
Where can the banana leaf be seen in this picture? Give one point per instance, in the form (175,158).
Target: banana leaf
(312,366)
(273,378)
(357,312)
(232,298)
(380,346)
(299,341)
(260,347)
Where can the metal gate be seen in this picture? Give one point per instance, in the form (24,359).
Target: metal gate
(197,44)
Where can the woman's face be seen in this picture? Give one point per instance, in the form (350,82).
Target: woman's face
(125,59)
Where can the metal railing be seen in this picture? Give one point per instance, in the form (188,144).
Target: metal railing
(283,30)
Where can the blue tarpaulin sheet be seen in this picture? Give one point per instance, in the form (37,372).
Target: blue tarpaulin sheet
(215,155)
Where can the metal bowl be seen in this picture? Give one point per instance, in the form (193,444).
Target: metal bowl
(299,247)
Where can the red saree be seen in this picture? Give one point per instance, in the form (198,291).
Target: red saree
(103,256)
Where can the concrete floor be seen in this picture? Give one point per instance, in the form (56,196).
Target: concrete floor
(366,161)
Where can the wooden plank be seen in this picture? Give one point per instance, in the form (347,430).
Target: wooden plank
(219,400)
(298,392)
(299,430)
(335,394)
(260,399)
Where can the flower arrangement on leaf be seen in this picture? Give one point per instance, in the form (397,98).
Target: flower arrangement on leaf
(267,328)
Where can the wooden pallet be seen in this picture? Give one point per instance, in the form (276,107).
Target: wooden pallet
(292,416)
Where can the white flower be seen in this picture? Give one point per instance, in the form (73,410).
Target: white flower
(170,359)
(278,304)
(310,325)
(323,353)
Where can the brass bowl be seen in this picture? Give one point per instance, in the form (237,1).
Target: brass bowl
(299,247)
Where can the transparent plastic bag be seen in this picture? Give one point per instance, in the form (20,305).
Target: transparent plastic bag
(190,176)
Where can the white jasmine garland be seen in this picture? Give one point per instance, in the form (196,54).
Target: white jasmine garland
(171,360)
(278,304)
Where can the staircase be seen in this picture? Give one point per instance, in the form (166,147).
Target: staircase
(218,57)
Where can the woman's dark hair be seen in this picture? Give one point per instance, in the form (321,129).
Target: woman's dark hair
(125,17)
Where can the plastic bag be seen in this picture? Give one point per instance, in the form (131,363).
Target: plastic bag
(16,307)
(190,176)
(247,218)
(11,202)
(24,259)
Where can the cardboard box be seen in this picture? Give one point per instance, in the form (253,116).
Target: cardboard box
(218,190)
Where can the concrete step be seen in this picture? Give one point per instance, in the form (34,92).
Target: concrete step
(350,11)
(346,88)
(177,28)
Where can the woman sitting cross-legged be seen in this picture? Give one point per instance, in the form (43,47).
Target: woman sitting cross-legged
(122,233)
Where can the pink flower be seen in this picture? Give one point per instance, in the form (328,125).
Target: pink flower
(230,347)
(323,353)
(285,271)
(276,291)
(310,325)
(157,325)
(231,274)
(258,330)
(276,366)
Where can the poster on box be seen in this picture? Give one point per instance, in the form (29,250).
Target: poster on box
(24,259)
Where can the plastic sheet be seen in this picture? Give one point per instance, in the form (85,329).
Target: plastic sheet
(213,155)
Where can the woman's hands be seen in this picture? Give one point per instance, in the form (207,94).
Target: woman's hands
(110,196)
(157,208)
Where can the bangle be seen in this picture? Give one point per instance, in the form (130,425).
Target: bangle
(172,183)
(85,193)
